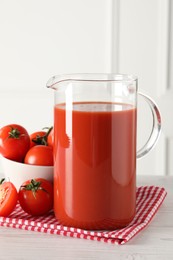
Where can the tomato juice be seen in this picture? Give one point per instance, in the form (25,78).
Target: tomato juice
(95,164)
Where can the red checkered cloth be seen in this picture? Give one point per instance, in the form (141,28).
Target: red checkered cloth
(149,199)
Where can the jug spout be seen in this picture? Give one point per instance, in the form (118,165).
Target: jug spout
(52,82)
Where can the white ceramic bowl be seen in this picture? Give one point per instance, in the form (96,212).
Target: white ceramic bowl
(17,172)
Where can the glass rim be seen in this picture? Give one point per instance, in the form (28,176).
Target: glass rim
(92,77)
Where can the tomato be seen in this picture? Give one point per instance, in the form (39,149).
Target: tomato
(40,155)
(14,142)
(40,137)
(8,198)
(37,138)
(36,196)
(50,138)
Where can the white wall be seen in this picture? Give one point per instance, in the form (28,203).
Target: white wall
(39,39)
(142,50)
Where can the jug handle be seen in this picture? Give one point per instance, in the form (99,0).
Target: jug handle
(156,127)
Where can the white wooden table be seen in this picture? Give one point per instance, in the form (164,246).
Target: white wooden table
(155,242)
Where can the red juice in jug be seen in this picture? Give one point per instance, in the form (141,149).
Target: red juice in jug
(95,164)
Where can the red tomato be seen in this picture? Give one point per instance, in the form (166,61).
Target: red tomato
(37,138)
(40,155)
(50,138)
(8,198)
(40,137)
(14,142)
(36,196)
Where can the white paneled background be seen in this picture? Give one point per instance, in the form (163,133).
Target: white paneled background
(39,39)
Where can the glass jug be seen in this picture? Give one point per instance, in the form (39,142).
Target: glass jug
(95,121)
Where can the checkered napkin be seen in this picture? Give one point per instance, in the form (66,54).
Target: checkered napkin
(149,199)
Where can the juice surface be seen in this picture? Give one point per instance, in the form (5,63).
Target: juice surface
(95,164)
